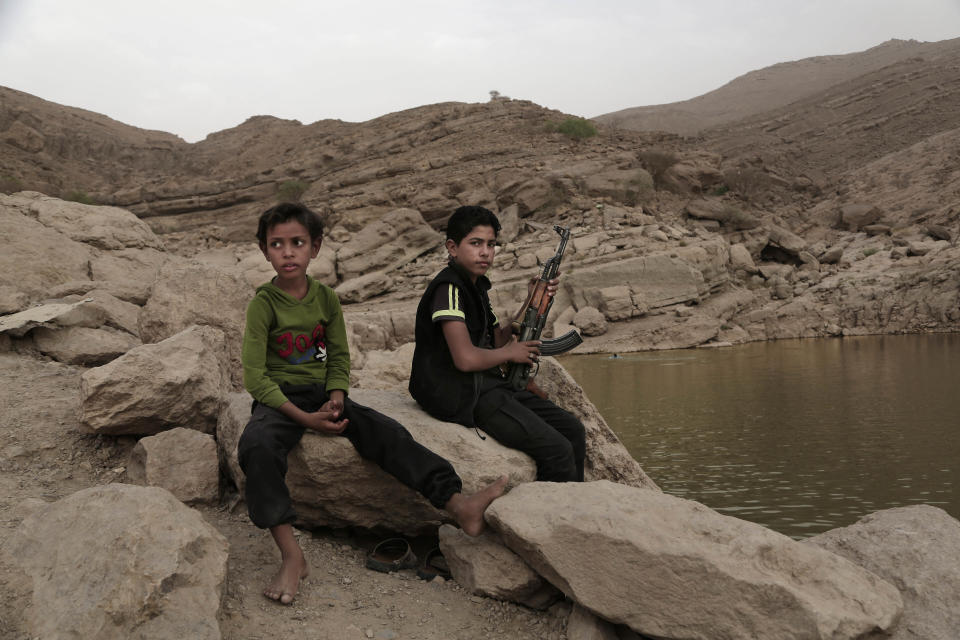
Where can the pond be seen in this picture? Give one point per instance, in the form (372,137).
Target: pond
(799,435)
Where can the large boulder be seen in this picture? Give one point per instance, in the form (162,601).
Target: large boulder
(189,292)
(25,262)
(102,227)
(917,549)
(116,561)
(391,242)
(673,568)
(332,486)
(182,461)
(177,382)
(364,287)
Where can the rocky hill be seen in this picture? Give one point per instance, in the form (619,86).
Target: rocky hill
(770,88)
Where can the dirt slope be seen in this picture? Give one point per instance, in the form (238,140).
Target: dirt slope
(769,88)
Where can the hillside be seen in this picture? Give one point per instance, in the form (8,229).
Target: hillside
(770,88)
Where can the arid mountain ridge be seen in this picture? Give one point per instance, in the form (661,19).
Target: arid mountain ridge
(798,147)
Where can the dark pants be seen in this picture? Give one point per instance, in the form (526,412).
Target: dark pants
(270,435)
(554,438)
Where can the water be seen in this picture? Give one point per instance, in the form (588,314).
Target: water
(799,435)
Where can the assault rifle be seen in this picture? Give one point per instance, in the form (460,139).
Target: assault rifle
(535,313)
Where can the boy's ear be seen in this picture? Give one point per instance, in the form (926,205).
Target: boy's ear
(263,250)
(451,246)
(315,243)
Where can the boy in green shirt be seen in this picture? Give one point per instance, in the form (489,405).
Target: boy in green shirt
(296,365)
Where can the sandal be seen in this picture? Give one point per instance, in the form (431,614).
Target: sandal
(434,565)
(392,554)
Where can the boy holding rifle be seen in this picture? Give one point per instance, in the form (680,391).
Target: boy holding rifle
(461,344)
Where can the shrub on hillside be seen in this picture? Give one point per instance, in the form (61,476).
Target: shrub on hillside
(10,184)
(79,196)
(574,128)
(291,190)
(657,162)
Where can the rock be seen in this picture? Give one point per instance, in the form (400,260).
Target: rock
(855,216)
(583,625)
(529,196)
(182,461)
(117,561)
(590,321)
(809,262)
(509,224)
(390,242)
(786,240)
(877,229)
(705,209)
(100,227)
(919,248)
(127,274)
(484,566)
(939,232)
(364,495)
(364,287)
(682,570)
(616,303)
(190,293)
(917,549)
(23,238)
(740,258)
(18,324)
(154,387)
(82,345)
(656,280)
(323,268)
(694,172)
(111,310)
(832,255)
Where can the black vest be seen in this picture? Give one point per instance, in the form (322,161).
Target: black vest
(436,384)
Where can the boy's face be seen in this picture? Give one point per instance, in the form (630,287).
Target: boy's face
(289,250)
(475,252)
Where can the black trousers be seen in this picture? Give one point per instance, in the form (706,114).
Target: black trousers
(270,435)
(554,438)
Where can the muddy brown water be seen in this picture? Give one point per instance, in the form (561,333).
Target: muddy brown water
(801,436)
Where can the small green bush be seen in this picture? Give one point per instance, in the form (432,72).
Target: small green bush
(10,184)
(291,190)
(574,128)
(79,196)
(657,162)
(869,251)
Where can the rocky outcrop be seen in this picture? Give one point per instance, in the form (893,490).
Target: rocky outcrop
(177,382)
(398,237)
(681,570)
(119,561)
(916,549)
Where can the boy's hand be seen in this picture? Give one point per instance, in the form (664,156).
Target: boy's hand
(324,421)
(334,404)
(552,285)
(521,352)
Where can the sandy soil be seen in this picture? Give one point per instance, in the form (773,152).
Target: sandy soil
(43,456)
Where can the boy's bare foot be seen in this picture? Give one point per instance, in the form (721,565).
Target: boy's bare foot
(286,582)
(468,510)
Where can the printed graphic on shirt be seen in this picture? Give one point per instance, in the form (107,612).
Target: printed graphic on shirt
(302,348)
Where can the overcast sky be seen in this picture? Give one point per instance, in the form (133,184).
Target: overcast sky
(199,66)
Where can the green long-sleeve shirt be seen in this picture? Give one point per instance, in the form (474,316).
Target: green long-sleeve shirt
(290,341)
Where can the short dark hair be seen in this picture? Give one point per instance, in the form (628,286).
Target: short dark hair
(464,219)
(286,211)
